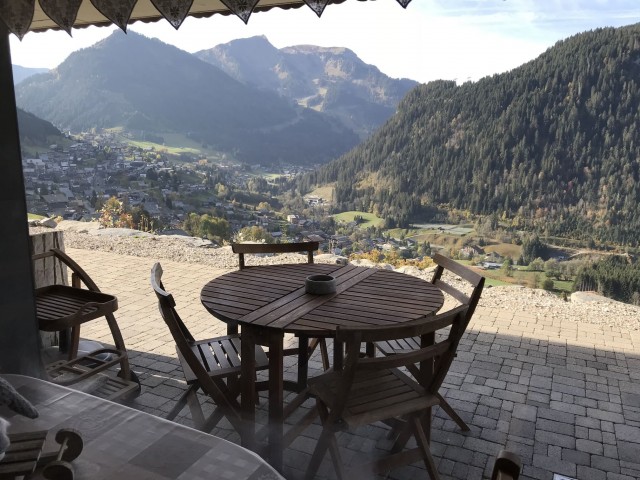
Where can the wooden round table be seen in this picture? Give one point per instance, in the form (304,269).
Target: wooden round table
(269,301)
(274,297)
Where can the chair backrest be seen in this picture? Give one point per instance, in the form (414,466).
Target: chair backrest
(167,306)
(78,274)
(183,340)
(440,352)
(242,248)
(474,279)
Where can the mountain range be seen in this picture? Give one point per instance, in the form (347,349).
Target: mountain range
(33,130)
(145,85)
(20,73)
(330,80)
(552,146)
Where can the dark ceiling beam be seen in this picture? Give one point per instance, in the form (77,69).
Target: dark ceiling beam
(19,336)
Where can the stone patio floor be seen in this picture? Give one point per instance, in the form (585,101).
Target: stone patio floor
(562,395)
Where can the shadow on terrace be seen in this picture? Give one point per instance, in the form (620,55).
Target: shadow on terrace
(564,396)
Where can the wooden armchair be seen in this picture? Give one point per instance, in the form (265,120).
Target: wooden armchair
(476,282)
(66,308)
(306,346)
(373,389)
(212,365)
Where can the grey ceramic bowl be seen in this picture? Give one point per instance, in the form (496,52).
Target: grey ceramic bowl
(320,284)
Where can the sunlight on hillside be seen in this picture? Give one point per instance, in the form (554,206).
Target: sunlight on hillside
(325,192)
(369,219)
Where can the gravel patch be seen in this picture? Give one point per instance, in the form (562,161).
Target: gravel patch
(543,304)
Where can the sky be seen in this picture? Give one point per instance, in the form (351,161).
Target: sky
(432,39)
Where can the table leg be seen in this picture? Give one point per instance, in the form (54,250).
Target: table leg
(303,362)
(276,398)
(248,387)
(338,355)
(426,370)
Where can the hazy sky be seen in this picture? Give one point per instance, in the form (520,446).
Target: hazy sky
(431,39)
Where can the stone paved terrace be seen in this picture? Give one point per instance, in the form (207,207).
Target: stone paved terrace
(564,396)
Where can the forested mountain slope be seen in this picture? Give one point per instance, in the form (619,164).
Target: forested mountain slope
(330,80)
(553,144)
(143,84)
(35,131)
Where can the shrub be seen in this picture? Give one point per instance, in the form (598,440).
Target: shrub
(113,215)
(548,284)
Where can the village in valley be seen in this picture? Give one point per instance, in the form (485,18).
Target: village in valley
(74,182)
(223,200)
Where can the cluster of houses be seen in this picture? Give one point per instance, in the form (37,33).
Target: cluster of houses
(73,181)
(67,181)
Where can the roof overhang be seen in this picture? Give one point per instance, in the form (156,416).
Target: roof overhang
(22,16)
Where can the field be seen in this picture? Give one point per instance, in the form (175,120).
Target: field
(440,240)
(445,228)
(33,216)
(30,149)
(447,238)
(504,249)
(157,147)
(369,219)
(524,277)
(174,144)
(325,192)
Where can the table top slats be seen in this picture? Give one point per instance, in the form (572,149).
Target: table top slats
(274,296)
(375,304)
(372,316)
(325,325)
(225,312)
(344,314)
(412,292)
(268,291)
(293,274)
(344,319)
(301,304)
(418,301)
(228,285)
(297,298)
(409,292)
(234,300)
(360,317)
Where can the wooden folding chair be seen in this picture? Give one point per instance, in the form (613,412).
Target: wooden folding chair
(211,365)
(374,389)
(306,346)
(476,282)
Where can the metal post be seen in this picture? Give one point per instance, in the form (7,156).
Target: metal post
(19,337)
